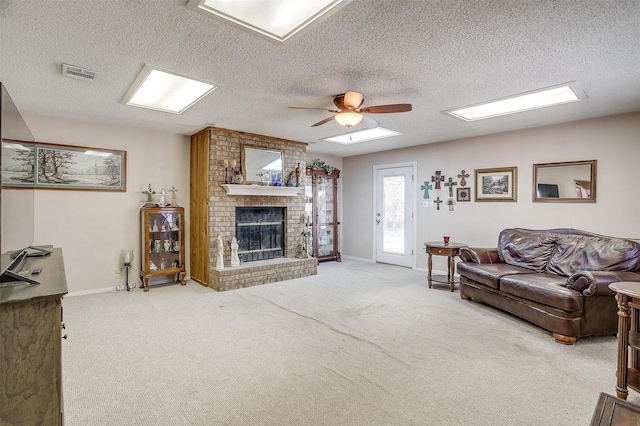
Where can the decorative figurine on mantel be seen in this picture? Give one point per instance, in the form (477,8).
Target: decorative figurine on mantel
(149,192)
(238,178)
(174,200)
(225,163)
(291,181)
(162,193)
(220,255)
(298,175)
(235,260)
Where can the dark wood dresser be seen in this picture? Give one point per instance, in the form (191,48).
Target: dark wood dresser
(31,346)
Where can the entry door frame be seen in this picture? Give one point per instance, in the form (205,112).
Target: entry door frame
(414,207)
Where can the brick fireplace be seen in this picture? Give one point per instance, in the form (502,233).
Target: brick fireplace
(218,214)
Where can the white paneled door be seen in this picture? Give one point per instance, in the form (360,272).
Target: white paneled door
(394,214)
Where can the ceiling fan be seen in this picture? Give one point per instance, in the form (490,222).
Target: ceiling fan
(350,110)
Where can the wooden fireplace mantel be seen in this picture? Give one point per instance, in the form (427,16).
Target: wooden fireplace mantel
(262,190)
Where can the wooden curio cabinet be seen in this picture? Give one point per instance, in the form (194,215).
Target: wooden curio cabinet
(162,239)
(321,204)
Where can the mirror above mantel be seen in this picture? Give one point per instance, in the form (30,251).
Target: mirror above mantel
(257,162)
(566,182)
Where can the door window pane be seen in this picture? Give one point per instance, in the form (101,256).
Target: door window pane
(393,214)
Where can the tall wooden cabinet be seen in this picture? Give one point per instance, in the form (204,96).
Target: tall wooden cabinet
(321,204)
(162,239)
(31,345)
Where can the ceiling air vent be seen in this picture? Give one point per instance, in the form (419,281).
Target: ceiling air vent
(78,72)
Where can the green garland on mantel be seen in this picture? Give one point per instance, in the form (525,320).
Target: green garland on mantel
(319,164)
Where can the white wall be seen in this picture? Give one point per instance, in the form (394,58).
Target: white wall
(91,226)
(613,141)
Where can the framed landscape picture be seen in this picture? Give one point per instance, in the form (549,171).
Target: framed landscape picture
(497,184)
(48,166)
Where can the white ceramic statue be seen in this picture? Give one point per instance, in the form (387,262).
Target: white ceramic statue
(162,193)
(235,260)
(220,255)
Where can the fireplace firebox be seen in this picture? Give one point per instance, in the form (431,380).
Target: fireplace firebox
(260,232)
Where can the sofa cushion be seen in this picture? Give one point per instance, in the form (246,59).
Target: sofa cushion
(527,249)
(489,274)
(547,289)
(574,253)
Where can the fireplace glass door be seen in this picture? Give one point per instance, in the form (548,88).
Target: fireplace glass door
(260,233)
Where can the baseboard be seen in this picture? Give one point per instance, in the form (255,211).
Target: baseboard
(108,289)
(85,292)
(357,258)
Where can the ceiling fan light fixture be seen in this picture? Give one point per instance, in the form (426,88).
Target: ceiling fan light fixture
(349,119)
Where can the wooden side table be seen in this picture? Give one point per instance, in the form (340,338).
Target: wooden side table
(628,371)
(441,249)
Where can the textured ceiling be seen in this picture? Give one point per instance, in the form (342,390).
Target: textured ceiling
(435,55)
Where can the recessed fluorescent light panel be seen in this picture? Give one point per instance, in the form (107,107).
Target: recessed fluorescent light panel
(524,102)
(362,136)
(277,20)
(165,91)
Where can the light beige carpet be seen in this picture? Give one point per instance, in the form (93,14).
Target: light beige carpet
(358,344)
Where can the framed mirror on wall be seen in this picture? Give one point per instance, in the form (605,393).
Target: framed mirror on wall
(262,166)
(566,182)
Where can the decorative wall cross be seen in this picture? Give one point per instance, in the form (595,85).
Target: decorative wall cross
(426,187)
(451,184)
(463,175)
(437,179)
(438,201)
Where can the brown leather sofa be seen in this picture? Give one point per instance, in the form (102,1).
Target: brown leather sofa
(556,279)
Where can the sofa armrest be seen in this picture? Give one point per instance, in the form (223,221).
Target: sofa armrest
(479,255)
(596,283)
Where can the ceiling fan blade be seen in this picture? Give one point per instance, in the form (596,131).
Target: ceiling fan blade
(320,123)
(385,109)
(320,109)
(369,122)
(353,100)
